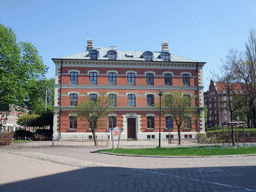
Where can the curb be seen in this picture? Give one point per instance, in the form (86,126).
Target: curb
(153,156)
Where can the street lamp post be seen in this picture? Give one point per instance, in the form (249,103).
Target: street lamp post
(160,111)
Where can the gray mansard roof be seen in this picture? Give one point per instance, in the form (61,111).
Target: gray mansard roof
(122,55)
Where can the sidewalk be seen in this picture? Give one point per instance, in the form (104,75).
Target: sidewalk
(123,143)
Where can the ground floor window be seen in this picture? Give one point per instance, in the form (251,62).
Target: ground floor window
(151,122)
(73,122)
(187,123)
(112,122)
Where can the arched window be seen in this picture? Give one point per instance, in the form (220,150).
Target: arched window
(186,79)
(131,100)
(72,122)
(150,100)
(113,99)
(187,123)
(93,78)
(93,97)
(112,78)
(150,122)
(168,79)
(73,99)
(94,54)
(148,56)
(73,77)
(112,122)
(112,55)
(131,78)
(165,56)
(150,78)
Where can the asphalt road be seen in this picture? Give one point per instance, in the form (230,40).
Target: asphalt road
(77,169)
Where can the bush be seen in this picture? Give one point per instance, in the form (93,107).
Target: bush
(43,135)
(21,134)
(6,138)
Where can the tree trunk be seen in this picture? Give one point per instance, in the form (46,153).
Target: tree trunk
(94,137)
(179,134)
(232,130)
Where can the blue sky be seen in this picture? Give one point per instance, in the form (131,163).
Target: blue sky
(196,29)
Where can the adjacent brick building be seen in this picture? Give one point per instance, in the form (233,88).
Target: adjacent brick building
(133,79)
(216,99)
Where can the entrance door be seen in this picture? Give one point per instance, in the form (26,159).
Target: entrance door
(131,128)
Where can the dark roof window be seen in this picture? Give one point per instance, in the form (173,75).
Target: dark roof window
(165,56)
(148,56)
(94,54)
(112,55)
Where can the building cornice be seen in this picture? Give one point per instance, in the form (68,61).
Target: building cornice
(127,63)
(127,87)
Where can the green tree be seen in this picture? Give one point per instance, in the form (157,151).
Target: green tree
(180,108)
(38,93)
(242,66)
(20,68)
(11,76)
(93,110)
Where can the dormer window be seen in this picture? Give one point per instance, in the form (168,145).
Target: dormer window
(148,56)
(165,56)
(112,55)
(94,54)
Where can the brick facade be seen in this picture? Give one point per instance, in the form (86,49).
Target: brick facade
(123,112)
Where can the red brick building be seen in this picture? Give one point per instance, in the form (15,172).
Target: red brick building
(133,79)
(216,101)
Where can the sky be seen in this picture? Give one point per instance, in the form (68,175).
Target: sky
(196,29)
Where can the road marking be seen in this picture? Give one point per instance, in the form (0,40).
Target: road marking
(198,180)
(209,170)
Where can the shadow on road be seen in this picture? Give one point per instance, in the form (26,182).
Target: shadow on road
(131,179)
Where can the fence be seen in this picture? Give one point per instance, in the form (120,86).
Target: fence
(225,136)
(102,141)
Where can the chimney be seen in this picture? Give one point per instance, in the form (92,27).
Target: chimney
(89,44)
(165,46)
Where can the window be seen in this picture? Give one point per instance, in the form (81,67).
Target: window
(168,79)
(93,97)
(112,122)
(131,100)
(187,123)
(93,78)
(112,55)
(93,54)
(210,112)
(147,56)
(165,56)
(131,78)
(113,99)
(150,100)
(151,122)
(73,99)
(73,77)
(150,78)
(169,122)
(72,122)
(186,79)
(112,78)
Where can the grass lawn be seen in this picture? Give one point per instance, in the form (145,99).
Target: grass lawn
(187,151)
(19,141)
